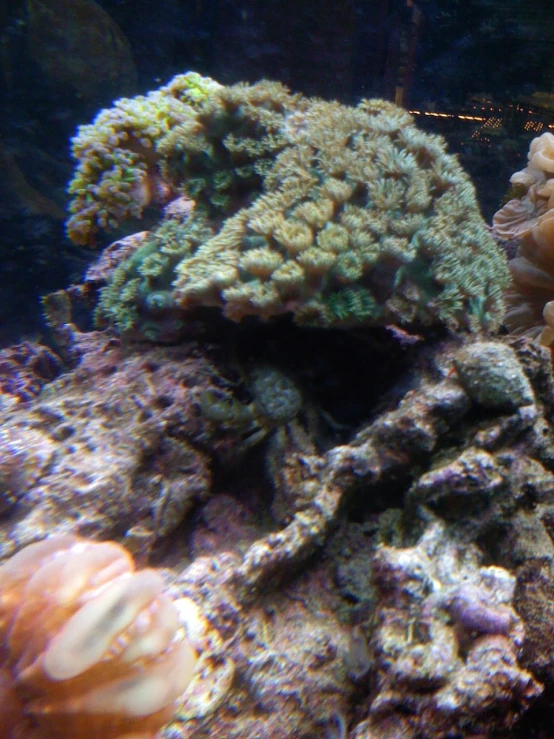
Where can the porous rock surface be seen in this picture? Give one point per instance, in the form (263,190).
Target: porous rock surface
(431,526)
(107,450)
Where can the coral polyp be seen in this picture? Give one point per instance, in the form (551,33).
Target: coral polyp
(336,215)
(90,647)
(117,174)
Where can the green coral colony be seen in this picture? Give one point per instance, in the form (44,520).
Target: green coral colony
(338,215)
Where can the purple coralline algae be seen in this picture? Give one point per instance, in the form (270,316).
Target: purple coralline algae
(445,644)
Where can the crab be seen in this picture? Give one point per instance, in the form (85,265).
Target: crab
(276,408)
(280,413)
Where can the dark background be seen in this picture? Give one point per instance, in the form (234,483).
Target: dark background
(63,60)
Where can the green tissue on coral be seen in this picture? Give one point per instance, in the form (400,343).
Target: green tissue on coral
(139,296)
(220,155)
(117,173)
(338,215)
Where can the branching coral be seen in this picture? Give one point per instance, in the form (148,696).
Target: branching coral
(338,215)
(117,174)
(90,647)
(530,217)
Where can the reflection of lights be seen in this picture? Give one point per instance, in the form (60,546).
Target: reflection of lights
(534,126)
(494,122)
(490,121)
(448,115)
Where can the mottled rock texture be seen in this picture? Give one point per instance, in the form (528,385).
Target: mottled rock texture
(299,555)
(108,449)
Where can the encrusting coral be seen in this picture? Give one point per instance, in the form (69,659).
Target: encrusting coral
(90,648)
(529,217)
(337,215)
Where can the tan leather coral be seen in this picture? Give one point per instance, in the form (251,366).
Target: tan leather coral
(533,187)
(530,218)
(89,646)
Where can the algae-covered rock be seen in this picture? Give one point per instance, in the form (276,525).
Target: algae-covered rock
(397,627)
(493,377)
(446,645)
